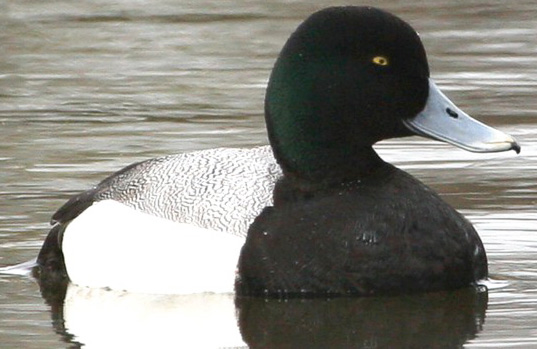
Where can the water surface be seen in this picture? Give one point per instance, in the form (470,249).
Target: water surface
(91,86)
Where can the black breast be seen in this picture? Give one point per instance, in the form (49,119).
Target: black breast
(388,234)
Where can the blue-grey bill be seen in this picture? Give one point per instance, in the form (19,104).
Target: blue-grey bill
(442,120)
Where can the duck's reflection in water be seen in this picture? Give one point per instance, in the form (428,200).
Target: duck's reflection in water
(435,320)
(102,318)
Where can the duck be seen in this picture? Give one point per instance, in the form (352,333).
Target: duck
(315,213)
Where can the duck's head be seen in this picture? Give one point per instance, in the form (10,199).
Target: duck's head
(349,77)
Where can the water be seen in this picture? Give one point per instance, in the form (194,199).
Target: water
(88,87)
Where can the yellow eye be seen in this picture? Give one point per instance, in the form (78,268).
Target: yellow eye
(380,60)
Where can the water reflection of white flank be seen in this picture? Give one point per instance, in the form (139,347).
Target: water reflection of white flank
(101,318)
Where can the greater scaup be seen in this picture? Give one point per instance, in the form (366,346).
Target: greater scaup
(324,216)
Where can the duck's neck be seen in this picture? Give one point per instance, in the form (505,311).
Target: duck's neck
(329,176)
(331,167)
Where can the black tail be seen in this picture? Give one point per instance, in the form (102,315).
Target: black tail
(50,271)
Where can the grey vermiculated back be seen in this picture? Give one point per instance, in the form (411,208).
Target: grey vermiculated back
(222,189)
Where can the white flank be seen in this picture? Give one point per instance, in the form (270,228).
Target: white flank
(112,245)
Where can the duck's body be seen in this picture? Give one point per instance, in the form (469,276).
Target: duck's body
(385,234)
(136,227)
(329,216)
